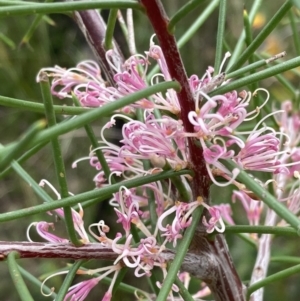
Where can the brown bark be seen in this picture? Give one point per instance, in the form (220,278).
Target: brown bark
(93,27)
(204,263)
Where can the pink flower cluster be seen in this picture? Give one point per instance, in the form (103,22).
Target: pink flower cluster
(142,255)
(160,138)
(285,167)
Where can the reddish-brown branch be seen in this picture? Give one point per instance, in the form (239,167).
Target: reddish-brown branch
(56,250)
(159,21)
(64,250)
(219,272)
(68,251)
(204,263)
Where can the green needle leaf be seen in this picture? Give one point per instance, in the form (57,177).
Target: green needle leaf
(99,194)
(58,159)
(112,18)
(286,259)
(220,36)
(265,196)
(268,28)
(275,277)
(94,114)
(11,153)
(59,7)
(17,278)
(252,78)
(36,282)
(284,231)
(182,12)
(184,293)
(296,3)
(38,107)
(68,280)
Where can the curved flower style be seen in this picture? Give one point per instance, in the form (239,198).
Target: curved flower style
(260,152)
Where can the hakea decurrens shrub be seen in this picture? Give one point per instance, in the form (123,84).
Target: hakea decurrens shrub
(162,140)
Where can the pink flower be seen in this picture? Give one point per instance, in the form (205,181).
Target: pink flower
(289,122)
(226,213)
(210,120)
(77,220)
(260,152)
(216,152)
(295,160)
(126,219)
(163,143)
(170,101)
(107,296)
(154,137)
(212,223)
(79,291)
(86,82)
(182,220)
(252,207)
(42,230)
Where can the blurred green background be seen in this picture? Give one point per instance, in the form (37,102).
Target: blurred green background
(63,44)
